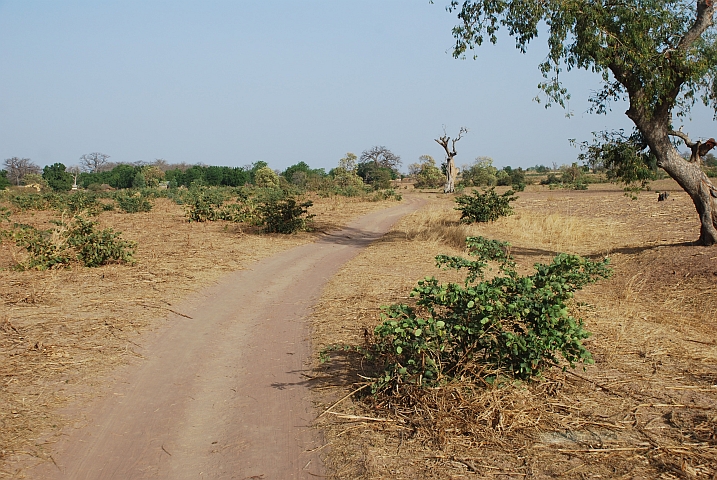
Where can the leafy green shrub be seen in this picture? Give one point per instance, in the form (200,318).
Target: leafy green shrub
(4,182)
(352,190)
(82,201)
(510,325)
(133,203)
(207,205)
(180,196)
(428,175)
(485,207)
(46,248)
(78,241)
(481,172)
(387,194)
(283,215)
(510,176)
(95,248)
(266,177)
(551,179)
(30,201)
(57,178)
(201,209)
(139,180)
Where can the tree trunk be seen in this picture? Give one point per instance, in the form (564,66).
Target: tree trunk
(703,194)
(451,174)
(451,170)
(688,175)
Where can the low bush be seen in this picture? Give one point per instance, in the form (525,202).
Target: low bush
(83,201)
(32,201)
(98,247)
(46,248)
(206,206)
(510,326)
(134,203)
(201,208)
(485,207)
(387,194)
(551,179)
(284,215)
(66,243)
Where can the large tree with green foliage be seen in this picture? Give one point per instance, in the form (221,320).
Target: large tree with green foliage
(4,182)
(378,166)
(426,173)
(659,55)
(57,177)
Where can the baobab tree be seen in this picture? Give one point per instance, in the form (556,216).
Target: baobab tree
(17,168)
(381,157)
(378,165)
(658,55)
(451,169)
(93,162)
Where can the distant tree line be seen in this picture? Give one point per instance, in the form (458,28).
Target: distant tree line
(482,173)
(376,168)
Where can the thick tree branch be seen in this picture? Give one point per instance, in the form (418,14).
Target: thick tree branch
(705,14)
(685,138)
(697,148)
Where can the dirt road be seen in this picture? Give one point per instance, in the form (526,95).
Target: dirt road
(223,390)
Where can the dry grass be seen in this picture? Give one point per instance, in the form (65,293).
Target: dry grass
(554,232)
(63,331)
(647,409)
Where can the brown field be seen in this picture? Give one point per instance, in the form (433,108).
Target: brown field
(646,409)
(63,331)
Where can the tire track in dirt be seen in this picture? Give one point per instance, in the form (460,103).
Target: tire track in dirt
(223,394)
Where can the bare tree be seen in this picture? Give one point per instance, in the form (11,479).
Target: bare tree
(74,170)
(451,170)
(18,167)
(93,162)
(162,164)
(381,157)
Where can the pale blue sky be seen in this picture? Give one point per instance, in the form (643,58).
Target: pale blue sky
(233,82)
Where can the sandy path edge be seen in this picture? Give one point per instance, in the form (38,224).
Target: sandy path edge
(222,394)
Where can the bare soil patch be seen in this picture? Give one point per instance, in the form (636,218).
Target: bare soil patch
(646,409)
(62,332)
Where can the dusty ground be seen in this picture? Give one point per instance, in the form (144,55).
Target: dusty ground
(646,409)
(63,332)
(221,392)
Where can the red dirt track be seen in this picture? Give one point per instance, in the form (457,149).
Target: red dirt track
(223,394)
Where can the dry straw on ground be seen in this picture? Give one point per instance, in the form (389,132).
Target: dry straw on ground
(63,331)
(646,409)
